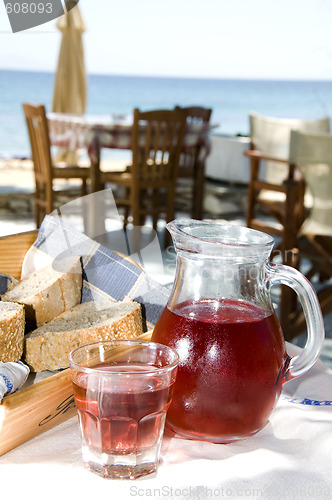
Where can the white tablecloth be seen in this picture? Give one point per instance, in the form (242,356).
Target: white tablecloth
(289,458)
(93,132)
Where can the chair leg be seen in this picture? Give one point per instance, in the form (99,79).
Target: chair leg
(37,215)
(198,190)
(254,168)
(49,198)
(288,299)
(170,215)
(39,212)
(155,203)
(126,210)
(135,209)
(287,307)
(125,217)
(83,189)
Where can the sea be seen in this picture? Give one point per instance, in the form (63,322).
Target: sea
(231,100)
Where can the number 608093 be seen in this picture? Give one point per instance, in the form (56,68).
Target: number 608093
(28,8)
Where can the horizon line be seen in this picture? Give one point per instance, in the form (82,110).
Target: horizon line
(181,77)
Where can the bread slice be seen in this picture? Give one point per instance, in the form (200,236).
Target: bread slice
(49,291)
(12,323)
(48,347)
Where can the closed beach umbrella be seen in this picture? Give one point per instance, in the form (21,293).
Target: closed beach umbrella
(70,81)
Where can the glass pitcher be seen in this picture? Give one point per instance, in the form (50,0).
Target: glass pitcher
(220,319)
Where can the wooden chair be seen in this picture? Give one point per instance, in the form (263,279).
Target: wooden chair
(192,168)
(277,190)
(149,183)
(44,170)
(312,155)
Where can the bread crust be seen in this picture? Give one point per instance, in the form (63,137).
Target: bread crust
(44,299)
(12,325)
(48,347)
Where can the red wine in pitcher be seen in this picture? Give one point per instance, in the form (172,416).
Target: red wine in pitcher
(232,362)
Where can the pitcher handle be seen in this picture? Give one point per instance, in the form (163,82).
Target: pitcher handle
(279,274)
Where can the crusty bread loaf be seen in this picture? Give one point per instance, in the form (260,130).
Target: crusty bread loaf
(12,323)
(48,347)
(49,291)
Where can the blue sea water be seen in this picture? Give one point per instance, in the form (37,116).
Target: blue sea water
(231,100)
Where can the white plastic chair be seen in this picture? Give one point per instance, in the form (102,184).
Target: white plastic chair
(276,186)
(311,154)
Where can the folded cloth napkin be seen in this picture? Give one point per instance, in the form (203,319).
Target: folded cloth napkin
(6,282)
(12,376)
(105,273)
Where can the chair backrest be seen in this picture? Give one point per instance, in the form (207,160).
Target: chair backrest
(312,155)
(157,138)
(35,116)
(272,137)
(196,114)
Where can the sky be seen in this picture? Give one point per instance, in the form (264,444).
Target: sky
(259,39)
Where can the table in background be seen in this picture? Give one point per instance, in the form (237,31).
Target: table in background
(106,131)
(74,132)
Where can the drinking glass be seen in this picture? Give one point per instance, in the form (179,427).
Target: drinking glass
(122,391)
